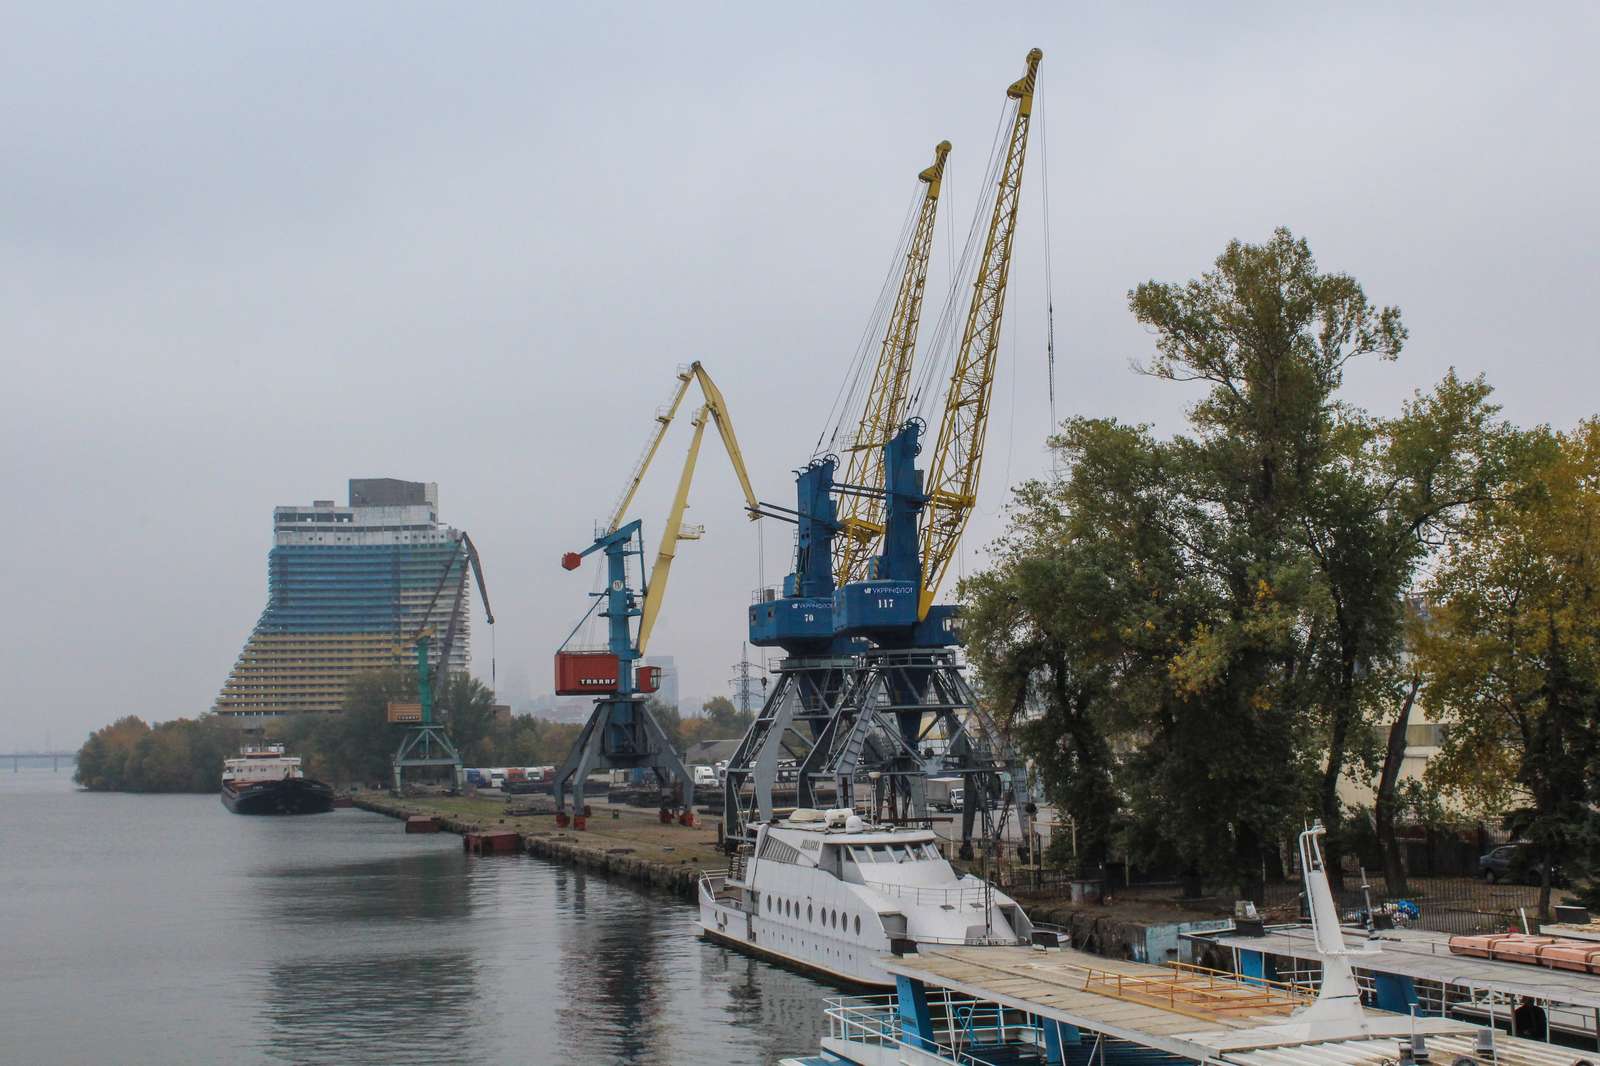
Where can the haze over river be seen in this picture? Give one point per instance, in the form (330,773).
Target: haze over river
(162,929)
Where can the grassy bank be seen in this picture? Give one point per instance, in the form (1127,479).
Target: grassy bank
(622,841)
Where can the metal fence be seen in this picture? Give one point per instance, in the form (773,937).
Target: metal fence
(1443,904)
(1450,904)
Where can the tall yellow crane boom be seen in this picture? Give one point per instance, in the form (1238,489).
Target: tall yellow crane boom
(694,372)
(952,482)
(716,409)
(861,521)
(671,533)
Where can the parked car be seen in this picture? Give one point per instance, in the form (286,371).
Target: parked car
(1515,863)
(704,776)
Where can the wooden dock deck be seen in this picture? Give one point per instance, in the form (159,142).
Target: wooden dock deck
(1237,1020)
(1069,986)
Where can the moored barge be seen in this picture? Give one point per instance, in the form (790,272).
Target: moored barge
(263,780)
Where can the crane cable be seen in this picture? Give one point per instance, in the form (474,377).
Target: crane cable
(1049,276)
(851,387)
(925,395)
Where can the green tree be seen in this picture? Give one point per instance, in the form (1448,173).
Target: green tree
(1073,626)
(726,719)
(467,708)
(1215,615)
(1270,335)
(1510,654)
(103,759)
(1388,493)
(183,755)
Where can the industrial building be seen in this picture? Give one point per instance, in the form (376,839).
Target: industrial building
(346,586)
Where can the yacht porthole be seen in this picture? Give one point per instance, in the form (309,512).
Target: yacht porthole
(858,925)
(808,912)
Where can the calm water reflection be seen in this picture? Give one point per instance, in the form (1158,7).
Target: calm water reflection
(164,929)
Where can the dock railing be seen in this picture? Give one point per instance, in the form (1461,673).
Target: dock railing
(960,1025)
(712,882)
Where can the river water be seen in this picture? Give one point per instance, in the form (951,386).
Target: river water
(163,929)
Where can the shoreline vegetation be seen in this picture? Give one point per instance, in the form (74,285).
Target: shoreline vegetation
(355,745)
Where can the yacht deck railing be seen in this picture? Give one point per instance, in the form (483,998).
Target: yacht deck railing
(978,896)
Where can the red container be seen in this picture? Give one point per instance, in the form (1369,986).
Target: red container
(422,823)
(584,673)
(581,673)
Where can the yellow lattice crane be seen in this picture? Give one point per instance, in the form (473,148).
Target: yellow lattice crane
(951,484)
(717,409)
(884,409)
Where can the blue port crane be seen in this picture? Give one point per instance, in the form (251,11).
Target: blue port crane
(621,733)
(834,536)
(911,684)
(427,742)
(896,707)
(926,516)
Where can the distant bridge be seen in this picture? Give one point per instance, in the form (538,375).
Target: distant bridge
(56,758)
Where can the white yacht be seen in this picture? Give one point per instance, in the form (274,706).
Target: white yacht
(825,891)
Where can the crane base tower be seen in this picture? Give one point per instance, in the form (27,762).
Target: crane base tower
(428,745)
(875,727)
(908,714)
(806,694)
(621,734)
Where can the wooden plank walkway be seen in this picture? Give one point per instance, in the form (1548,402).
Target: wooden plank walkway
(1052,984)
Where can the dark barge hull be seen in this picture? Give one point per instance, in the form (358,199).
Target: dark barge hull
(297,795)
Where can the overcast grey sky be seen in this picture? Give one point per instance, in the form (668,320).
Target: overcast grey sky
(249,251)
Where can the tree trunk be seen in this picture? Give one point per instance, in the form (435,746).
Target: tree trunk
(1344,710)
(1394,870)
(1247,850)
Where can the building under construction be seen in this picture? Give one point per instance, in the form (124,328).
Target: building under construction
(345,588)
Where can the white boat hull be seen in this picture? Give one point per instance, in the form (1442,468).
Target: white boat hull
(840,959)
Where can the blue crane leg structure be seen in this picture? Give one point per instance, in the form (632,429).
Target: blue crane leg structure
(621,734)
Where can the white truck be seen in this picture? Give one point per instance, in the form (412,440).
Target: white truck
(946,793)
